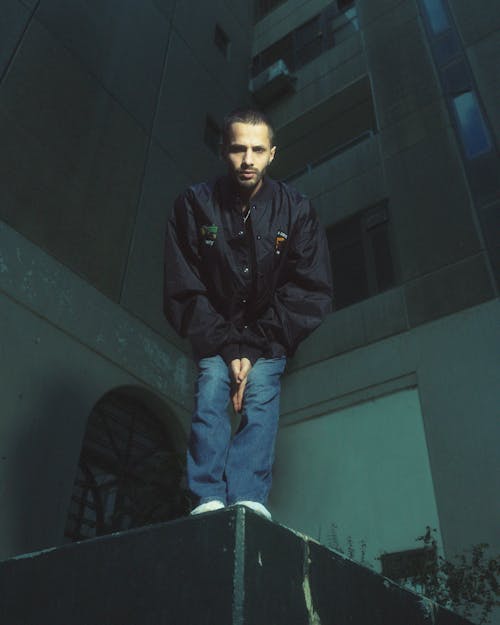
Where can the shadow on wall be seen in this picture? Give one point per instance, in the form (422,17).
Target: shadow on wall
(39,447)
(131,469)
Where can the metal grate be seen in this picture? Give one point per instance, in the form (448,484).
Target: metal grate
(128,474)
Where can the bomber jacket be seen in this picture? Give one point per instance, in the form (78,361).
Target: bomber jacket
(237,288)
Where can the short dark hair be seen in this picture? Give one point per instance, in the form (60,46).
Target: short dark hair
(245,116)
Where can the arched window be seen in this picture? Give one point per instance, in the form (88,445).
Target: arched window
(131,469)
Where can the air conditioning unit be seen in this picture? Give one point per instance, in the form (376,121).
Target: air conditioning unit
(275,81)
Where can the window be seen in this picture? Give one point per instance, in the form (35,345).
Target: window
(404,565)
(469,118)
(213,135)
(282,49)
(129,474)
(266,6)
(311,39)
(437,16)
(361,258)
(320,134)
(344,4)
(221,40)
(471,125)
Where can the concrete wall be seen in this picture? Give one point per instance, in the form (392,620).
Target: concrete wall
(342,410)
(96,139)
(102,117)
(368,476)
(64,345)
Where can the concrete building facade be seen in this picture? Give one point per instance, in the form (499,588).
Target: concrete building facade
(387,118)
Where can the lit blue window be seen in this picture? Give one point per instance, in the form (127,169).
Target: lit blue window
(471,124)
(437,16)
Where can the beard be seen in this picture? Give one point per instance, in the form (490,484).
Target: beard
(251,183)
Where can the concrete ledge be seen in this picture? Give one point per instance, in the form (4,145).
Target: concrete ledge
(222,568)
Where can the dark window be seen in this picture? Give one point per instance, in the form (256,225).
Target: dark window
(282,49)
(456,76)
(348,262)
(382,261)
(437,16)
(361,258)
(266,6)
(403,565)
(311,39)
(336,124)
(471,125)
(222,41)
(213,135)
(344,4)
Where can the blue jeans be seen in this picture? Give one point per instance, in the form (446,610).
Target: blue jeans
(234,468)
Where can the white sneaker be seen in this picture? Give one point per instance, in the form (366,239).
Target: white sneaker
(208,506)
(256,507)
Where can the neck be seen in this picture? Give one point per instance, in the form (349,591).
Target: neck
(247,194)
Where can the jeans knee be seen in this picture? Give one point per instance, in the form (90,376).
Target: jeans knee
(212,371)
(266,372)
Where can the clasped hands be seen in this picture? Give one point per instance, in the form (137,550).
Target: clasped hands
(240,369)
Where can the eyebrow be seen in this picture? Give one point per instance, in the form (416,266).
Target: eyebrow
(240,145)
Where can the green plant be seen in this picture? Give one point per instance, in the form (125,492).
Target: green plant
(350,551)
(467,583)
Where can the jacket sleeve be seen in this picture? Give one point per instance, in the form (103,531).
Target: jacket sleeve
(186,303)
(304,296)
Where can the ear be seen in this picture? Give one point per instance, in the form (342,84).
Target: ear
(273,152)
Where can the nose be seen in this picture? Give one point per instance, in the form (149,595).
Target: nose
(248,158)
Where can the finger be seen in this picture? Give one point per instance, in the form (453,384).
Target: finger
(235,368)
(237,403)
(240,394)
(246,365)
(234,399)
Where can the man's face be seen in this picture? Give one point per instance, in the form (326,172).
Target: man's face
(248,154)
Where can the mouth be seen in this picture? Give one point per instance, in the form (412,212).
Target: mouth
(247,175)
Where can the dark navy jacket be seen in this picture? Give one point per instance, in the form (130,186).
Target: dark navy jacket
(253,289)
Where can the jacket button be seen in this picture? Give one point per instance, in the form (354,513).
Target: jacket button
(259,237)
(245,269)
(241,233)
(243,301)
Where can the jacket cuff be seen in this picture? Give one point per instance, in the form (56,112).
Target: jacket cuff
(250,352)
(230,352)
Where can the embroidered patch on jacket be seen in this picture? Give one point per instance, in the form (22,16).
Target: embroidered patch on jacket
(209,234)
(280,241)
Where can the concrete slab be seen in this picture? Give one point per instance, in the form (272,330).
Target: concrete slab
(227,567)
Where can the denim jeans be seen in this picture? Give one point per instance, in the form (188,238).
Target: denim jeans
(240,467)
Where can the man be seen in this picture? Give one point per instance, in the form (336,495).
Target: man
(247,277)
